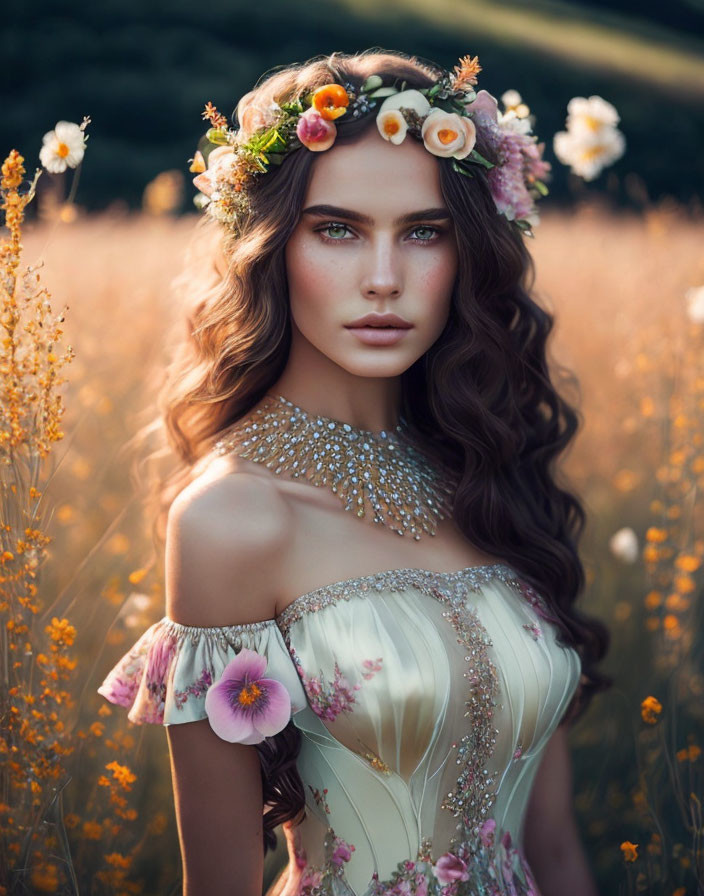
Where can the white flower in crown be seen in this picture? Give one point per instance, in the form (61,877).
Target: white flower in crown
(448,134)
(392,125)
(63,147)
(514,103)
(406,99)
(510,121)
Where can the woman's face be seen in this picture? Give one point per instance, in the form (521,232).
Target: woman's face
(374,235)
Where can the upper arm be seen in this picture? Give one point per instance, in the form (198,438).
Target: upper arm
(224,541)
(221,545)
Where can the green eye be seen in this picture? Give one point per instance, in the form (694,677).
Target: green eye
(341,228)
(429,230)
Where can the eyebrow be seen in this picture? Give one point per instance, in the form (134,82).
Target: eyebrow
(332,211)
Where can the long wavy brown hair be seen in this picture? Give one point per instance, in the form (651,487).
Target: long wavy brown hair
(482,398)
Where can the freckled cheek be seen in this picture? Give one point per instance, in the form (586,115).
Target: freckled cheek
(313,287)
(436,281)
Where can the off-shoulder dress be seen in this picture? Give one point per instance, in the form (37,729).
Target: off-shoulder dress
(425,701)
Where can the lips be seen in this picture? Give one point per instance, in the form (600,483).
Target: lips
(380,321)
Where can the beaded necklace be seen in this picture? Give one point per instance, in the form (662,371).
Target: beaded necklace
(406,490)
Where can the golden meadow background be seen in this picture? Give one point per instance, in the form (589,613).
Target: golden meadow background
(616,277)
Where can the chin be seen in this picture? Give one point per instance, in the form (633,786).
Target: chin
(376,367)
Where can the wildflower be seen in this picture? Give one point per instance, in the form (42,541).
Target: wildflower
(650,709)
(624,545)
(448,135)
(587,154)
(629,850)
(61,631)
(694,297)
(211,114)
(592,115)
(330,101)
(121,774)
(315,131)
(466,72)
(92,830)
(12,170)
(243,707)
(691,753)
(63,147)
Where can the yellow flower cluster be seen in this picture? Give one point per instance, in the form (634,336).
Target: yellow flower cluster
(650,710)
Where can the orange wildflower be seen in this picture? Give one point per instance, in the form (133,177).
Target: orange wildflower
(61,631)
(692,752)
(629,850)
(650,709)
(121,774)
(12,170)
(330,101)
(217,119)
(92,830)
(466,72)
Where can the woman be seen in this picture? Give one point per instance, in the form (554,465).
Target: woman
(370,364)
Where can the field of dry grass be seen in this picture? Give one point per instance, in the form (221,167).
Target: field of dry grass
(616,285)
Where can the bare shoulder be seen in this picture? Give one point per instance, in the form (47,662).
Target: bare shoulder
(226,536)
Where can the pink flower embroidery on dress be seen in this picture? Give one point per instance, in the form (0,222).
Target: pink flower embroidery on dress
(329,698)
(449,868)
(534,629)
(243,706)
(197,689)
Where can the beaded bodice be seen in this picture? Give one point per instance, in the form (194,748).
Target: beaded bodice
(424,702)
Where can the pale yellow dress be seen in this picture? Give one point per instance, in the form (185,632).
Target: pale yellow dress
(425,701)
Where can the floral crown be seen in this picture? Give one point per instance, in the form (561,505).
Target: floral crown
(447,117)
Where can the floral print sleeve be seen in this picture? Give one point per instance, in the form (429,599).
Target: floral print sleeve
(165,677)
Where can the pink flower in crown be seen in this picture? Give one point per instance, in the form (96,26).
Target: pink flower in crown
(449,868)
(315,132)
(484,104)
(243,706)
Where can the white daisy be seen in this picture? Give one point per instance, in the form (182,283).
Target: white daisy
(63,147)
(588,154)
(624,545)
(695,304)
(590,115)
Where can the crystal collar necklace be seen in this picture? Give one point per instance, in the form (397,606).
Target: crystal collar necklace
(406,490)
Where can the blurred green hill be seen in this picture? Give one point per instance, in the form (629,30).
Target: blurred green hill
(143,69)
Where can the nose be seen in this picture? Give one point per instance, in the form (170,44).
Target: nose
(382,275)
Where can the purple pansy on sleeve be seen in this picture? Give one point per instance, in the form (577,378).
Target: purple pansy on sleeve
(243,706)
